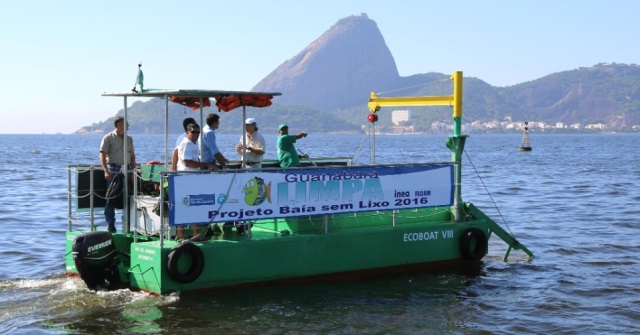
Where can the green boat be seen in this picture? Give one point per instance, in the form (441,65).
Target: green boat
(327,219)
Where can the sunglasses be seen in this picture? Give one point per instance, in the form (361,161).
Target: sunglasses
(195,132)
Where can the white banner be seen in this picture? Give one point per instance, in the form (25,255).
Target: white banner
(249,195)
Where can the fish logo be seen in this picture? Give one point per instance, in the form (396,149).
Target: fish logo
(255,191)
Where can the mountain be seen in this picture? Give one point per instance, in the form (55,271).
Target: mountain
(337,69)
(326,87)
(604,93)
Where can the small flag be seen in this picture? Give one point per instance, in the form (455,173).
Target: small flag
(139,80)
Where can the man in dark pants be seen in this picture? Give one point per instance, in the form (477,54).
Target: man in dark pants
(112,159)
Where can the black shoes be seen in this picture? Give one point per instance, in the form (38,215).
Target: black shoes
(216,230)
(198,238)
(241,227)
(227,226)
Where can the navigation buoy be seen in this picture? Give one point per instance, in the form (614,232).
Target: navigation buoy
(525,146)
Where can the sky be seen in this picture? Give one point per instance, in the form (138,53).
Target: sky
(57,57)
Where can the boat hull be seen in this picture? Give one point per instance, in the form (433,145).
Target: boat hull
(268,255)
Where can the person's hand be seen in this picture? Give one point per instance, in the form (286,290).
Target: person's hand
(107,175)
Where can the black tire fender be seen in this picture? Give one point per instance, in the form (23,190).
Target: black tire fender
(197,263)
(473,244)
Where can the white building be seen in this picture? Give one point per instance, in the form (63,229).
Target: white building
(600,126)
(398,116)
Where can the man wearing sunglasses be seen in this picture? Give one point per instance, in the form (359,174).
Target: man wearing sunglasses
(189,153)
(189,160)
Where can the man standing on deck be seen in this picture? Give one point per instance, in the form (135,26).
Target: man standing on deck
(112,159)
(287,153)
(189,160)
(255,145)
(174,157)
(189,153)
(210,151)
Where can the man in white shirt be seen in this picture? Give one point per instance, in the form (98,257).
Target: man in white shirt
(174,156)
(189,160)
(189,153)
(254,143)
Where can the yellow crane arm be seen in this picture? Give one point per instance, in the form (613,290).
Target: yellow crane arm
(454,100)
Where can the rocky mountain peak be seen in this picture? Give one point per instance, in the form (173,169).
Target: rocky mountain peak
(338,69)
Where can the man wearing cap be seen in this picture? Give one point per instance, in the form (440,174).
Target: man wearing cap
(287,154)
(254,144)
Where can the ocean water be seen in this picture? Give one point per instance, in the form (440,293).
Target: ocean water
(573,201)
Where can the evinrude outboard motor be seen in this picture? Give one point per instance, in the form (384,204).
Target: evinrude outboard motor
(94,254)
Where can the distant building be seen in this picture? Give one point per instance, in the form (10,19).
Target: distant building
(600,126)
(438,126)
(401,129)
(398,116)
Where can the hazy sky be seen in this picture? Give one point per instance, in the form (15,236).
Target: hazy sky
(58,56)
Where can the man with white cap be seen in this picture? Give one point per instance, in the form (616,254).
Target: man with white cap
(253,144)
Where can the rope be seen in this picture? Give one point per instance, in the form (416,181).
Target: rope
(206,229)
(355,159)
(372,153)
(71,193)
(414,86)
(363,215)
(488,193)
(151,175)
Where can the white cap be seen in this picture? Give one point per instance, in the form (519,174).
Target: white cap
(250,121)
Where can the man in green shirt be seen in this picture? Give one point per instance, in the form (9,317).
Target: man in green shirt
(287,154)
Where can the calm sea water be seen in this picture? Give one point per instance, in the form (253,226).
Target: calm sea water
(573,201)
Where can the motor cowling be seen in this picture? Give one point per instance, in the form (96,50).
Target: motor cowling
(94,254)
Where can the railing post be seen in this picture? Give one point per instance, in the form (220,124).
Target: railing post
(92,225)
(325,223)
(69,198)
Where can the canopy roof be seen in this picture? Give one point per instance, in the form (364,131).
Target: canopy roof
(150,93)
(225,100)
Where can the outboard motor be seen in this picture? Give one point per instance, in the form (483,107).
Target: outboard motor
(94,254)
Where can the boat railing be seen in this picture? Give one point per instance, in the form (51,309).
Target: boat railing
(85,193)
(148,215)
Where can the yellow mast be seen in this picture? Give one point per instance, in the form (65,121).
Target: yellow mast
(455,142)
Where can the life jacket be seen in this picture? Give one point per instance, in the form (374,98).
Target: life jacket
(229,102)
(193,102)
